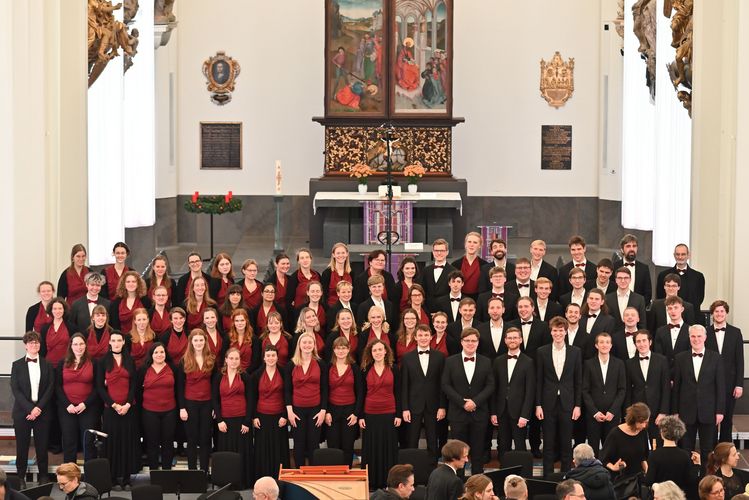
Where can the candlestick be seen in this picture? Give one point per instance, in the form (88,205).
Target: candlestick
(279,177)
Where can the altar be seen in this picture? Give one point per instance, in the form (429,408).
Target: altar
(338,211)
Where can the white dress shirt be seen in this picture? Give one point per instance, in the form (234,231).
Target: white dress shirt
(558,356)
(511,364)
(571,334)
(697,363)
(35,376)
(623,300)
(525,291)
(675,334)
(423,360)
(577,298)
(604,367)
(454,305)
(645,364)
(468,366)
(438,270)
(496,332)
(720,337)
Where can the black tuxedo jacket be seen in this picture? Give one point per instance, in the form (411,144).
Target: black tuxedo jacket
(539,335)
(516,394)
(604,396)
(563,283)
(421,393)
(565,299)
(444,484)
(455,328)
(435,289)
(568,387)
(79,314)
(31,313)
(512,286)
(657,316)
(549,271)
(692,285)
(485,283)
(583,341)
(486,345)
(362,312)
(697,400)
(601,323)
(444,304)
(619,341)
(509,298)
(643,284)
(20,386)
(591,284)
(732,355)
(456,387)
(662,342)
(635,300)
(656,390)
(361,290)
(180,292)
(552,309)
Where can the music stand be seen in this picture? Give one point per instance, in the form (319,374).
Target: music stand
(180,481)
(498,476)
(540,487)
(43,490)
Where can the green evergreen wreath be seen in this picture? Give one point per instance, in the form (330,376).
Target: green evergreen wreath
(215,205)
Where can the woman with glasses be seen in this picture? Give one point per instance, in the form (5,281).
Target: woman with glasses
(251,286)
(259,314)
(722,462)
(711,488)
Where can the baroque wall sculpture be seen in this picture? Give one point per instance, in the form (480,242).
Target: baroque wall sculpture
(680,70)
(644,27)
(105,36)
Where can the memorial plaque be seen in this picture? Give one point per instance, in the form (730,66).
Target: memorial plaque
(556,147)
(221,145)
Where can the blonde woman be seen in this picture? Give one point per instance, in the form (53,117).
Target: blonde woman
(275,335)
(339,269)
(141,337)
(375,328)
(197,300)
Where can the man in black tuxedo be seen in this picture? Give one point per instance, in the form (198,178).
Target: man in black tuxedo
(498,278)
(345,290)
(604,388)
(535,332)
(672,338)
(376,286)
(727,341)
(423,402)
(692,281)
(623,298)
(80,311)
(491,332)
(579,261)
(376,260)
(657,315)
(32,382)
(444,481)
(699,392)
(472,265)
(540,268)
(498,249)
(623,337)
(649,382)
(434,278)
(512,401)
(604,270)
(640,271)
(545,307)
(558,394)
(576,335)
(450,302)
(468,383)
(182,290)
(466,318)
(595,316)
(577,294)
(522,285)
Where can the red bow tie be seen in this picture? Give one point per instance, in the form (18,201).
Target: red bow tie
(524,285)
(91,301)
(469,359)
(671,325)
(580,265)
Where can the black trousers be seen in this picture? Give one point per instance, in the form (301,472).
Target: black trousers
(73,427)
(158,434)
(707,432)
(509,434)
(557,426)
(199,430)
(534,433)
(472,430)
(23,429)
(597,431)
(306,435)
(726,426)
(428,422)
(340,434)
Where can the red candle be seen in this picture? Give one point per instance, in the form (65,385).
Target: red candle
(195,197)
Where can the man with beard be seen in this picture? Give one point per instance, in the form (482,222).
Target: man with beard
(498,249)
(579,261)
(640,282)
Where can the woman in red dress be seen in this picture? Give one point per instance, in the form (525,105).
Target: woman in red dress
(417,295)
(141,337)
(242,338)
(217,341)
(406,70)
(408,276)
(194,375)
(251,286)
(259,314)
(131,295)
(231,400)
(375,328)
(280,279)
(159,312)
(382,409)
(175,339)
(308,322)
(233,302)
(275,335)
(405,337)
(345,327)
(71,285)
(158,397)
(441,341)
(345,397)
(338,270)
(315,302)
(36,316)
(114,273)
(222,277)
(159,277)
(77,401)
(97,335)
(55,336)
(296,293)
(306,395)
(197,300)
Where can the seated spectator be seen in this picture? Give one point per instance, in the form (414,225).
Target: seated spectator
(69,481)
(589,471)
(671,463)
(479,487)
(667,490)
(722,462)
(711,488)
(570,490)
(400,484)
(515,488)
(265,489)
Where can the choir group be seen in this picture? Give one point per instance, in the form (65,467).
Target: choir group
(467,348)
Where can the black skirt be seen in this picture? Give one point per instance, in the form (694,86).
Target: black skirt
(271,446)
(379,447)
(123,444)
(234,440)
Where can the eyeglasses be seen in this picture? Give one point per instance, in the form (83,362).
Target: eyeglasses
(191,262)
(62,485)
(269,291)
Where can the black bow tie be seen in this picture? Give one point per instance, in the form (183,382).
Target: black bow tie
(644,358)
(423,352)
(629,334)
(469,359)
(90,301)
(672,326)
(580,265)
(512,356)
(681,271)
(31,360)
(630,264)
(524,285)
(720,329)
(437,266)
(523,323)
(498,295)
(592,315)
(697,354)
(453,299)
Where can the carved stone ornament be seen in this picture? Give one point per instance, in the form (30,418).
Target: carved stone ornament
(221,71)
(644,27)
(680,69)
(557,80)
(105,36)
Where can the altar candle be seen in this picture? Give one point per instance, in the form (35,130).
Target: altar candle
(278,177)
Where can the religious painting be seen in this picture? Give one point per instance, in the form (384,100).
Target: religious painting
(355,58)
(422,58)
